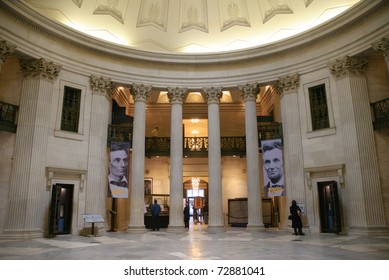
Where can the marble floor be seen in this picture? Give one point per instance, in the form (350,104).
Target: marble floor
(197,244)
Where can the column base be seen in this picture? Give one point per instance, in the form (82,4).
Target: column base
(215,229)
(136,229)
(256,228)
(369,231)
(21,234)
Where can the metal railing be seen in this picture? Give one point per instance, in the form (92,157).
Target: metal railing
(195,146)
(8,113)
(381,114)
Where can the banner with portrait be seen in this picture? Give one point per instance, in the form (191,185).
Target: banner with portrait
(118,170)
(273,167)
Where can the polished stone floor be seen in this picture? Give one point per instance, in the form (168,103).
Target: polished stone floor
(197,244)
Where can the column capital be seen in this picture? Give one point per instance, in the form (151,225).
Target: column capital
(176,95)
(140,92)
(6,49)
(348,65)
(382,46)
(213,94)
(100,84)
(288,83)
(249,92)
(40,68)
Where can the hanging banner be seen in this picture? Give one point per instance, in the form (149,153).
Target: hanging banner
(273,167)
(118,170)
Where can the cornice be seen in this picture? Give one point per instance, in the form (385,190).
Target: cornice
(350,19)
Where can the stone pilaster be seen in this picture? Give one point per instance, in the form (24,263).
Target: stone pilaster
(293,151)
(362,183)
(249,93)
(97,181)
(382,47)
(6,49)
(140,94)
(176,220)
(215,224)
(28,197)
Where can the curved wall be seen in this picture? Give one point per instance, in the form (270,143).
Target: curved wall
(349,34)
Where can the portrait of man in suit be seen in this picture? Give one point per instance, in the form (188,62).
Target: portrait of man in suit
(118,170)
(273,167)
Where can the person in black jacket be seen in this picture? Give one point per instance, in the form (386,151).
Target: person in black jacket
(297,223)
(155,211)
(186,215)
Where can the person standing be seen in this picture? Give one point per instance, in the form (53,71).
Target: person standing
(155,211)
(186,216)
(297,223)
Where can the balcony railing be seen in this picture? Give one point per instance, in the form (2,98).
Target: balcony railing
(195,146)
(381,114)
(8,114)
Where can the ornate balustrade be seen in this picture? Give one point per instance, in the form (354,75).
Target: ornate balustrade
(381,114)
(8,113)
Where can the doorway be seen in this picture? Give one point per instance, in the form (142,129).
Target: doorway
(61,209)
(329,207)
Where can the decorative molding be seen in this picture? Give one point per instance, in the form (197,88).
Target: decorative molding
(177,95)
(65,174)
(113,8)
(153,13)
(100,84)
(233,12)
(271,8)
(324,171)
(249,92)
(213,95)
(6,49)
(193,15)
(288,83)
(348,65)
(40,68)
(382,46)
(308,2)
(78,2)
(140,92)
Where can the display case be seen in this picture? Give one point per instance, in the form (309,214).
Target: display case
(164,201)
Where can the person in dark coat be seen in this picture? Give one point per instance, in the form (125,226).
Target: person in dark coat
(297,223)
(155,211)
(186,216)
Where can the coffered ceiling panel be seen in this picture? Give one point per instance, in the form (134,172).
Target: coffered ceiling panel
(191,26)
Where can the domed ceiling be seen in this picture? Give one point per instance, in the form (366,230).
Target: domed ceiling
(191,26)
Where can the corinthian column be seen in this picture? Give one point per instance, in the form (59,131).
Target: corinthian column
(28,197)
(382,47)
(362,182)
(249,93)
(97,154)
(176,98)
(6,49)
(293,150)
(215,224)
(140,94)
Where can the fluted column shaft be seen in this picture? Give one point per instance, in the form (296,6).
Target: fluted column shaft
(382,47)
(97,154)
(293,150)
(28,197)
(176,220)
(249,94)
(215,223)
(140,94)
(362,180)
